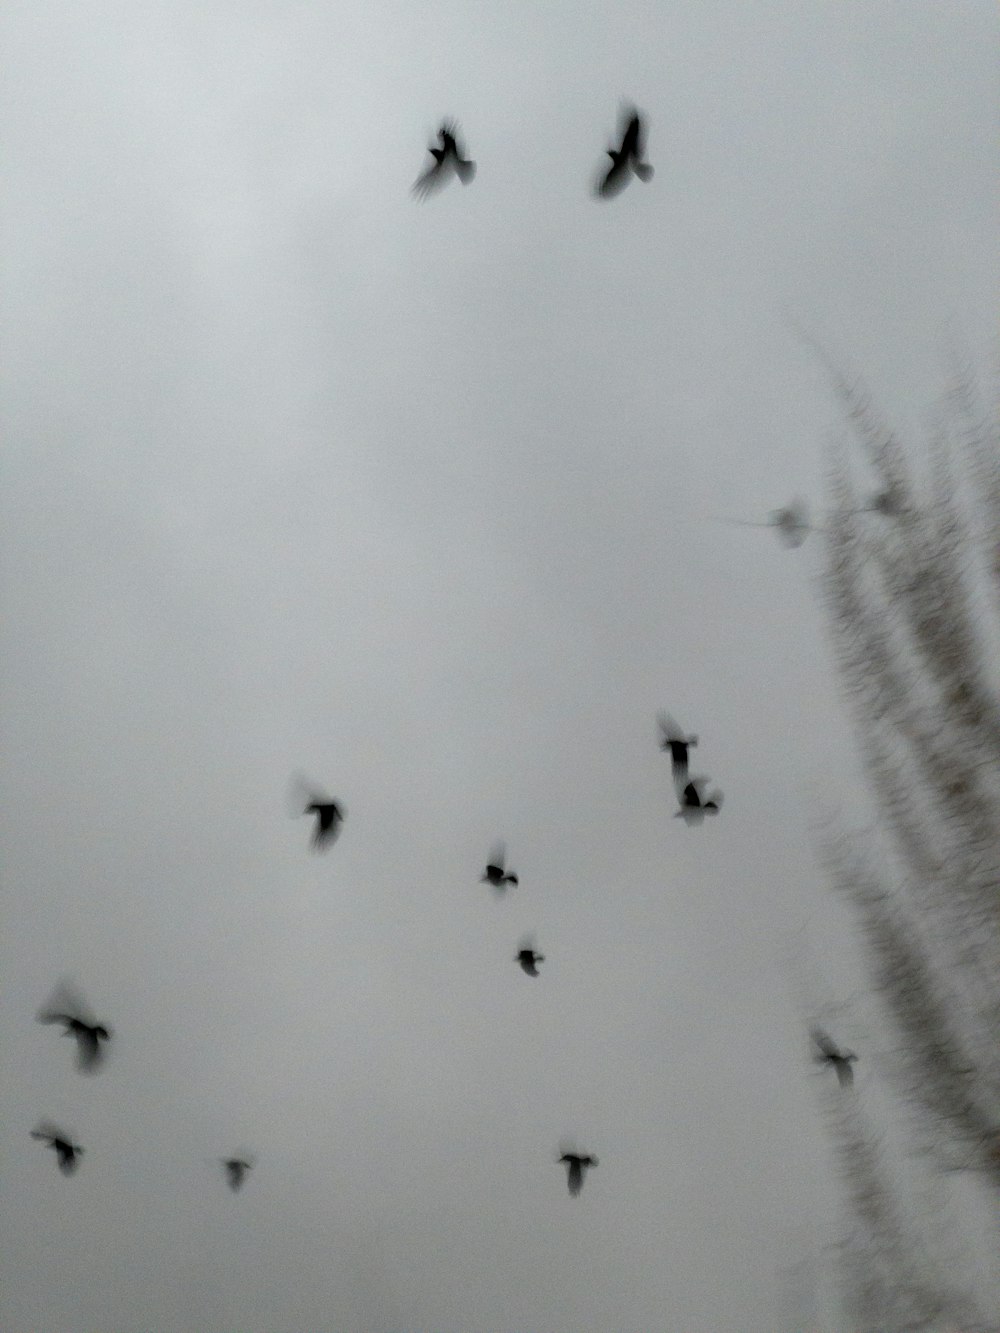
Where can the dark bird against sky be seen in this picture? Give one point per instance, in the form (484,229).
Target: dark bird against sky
(576,1165)
(529,959)
(236,1169)
(626,160)
(495,873)
(673,739)
(791,521)
(67,1152)
(329,814)
(449,160)
(68,1008)
(695,804)
(830,1054)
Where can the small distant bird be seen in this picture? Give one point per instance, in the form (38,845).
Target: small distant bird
(68,1008)
(694,805)
(449,160)
(791,522)
(236,1169)
(495,873)
(627,159)
(528,959)
(888,503)
(575,1167)
(307,800)
(674,740)
(830,1054)
(66,1151)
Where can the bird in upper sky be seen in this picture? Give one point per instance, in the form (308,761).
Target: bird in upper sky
(307,800)
(674,740)
(236,1169)
(495,873)
(830,1054)
(67,1152)
(791,521)
(67,1007)
(528,958)
(695,805)
(576,1164)
(449,160)
(627,159)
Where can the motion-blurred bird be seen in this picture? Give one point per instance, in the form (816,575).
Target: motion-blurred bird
(792,523)
(495,873)
(529,959)
(307,800)
(575,1167)
(627,159)
(694,805)
(830,1054)
(674,740)
(236,1169)
(67,1007)
(448,161)
(67,1152)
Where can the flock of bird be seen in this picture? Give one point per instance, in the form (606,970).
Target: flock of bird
(626,160)
(67,1007)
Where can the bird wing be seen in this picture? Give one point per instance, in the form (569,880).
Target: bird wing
(671,731)
(845,1074)
(613,181)
(45,1129)
(431,180)
(824,1043)
(631,139)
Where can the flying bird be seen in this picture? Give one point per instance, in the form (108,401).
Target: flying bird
(529,959)
(495,873)
(66,1007)
(329,814)
(830,1054)
(674,740)
(67,1152)
(449,160)
(695,805)
(627,159)
(236,1169)
(791,521)
(575,1167)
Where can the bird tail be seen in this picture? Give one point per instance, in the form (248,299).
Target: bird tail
(644,171)
(466,170)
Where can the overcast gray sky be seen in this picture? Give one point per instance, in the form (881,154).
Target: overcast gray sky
(416,498)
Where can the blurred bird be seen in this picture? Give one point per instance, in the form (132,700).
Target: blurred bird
(627,159)
(448,161)
(528,959)
(830,1054)
(66,1151)
(306,800)
(888,503)
(674,740)
(694,806)
(67,1007)
(792,523)
(575,1167)
(236,1169)
(494,873)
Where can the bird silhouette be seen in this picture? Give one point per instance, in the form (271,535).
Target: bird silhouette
(495,873)
(694,805)
(449,160)
(236,1169)
(528,958)
(576,1165)
(674,740)
(626,160)
(67,1007)
(306,799)
(830,1054)
(67,1152)
(791,521)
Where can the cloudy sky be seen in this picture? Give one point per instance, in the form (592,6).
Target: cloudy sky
(303,475)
